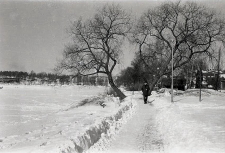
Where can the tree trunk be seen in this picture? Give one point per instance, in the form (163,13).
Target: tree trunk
(115,88)
(151,86)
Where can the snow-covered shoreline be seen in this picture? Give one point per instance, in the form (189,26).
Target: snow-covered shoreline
(68,128)
(102,130)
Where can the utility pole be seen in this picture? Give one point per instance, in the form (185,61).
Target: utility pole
(218,71)
(200,85)
(172,77)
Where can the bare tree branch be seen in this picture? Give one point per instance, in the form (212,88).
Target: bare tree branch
(97,43)
(186,30)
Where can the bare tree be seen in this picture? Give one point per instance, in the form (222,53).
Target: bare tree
(184,30)
(97,44)
(188,70)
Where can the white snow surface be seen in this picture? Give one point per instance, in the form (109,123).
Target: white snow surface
(47,119)
(185,126)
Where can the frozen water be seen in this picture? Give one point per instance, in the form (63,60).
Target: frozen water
(24,107)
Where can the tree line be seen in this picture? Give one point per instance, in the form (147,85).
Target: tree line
(184,77)
(32,75)
(43,77)
(168,37)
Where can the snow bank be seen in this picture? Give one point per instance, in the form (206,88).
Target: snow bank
(101,131)
(115,123)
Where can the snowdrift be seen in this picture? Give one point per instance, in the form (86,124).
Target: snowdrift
(103,129)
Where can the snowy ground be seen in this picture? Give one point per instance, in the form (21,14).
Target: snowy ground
(192,126)
(25,106)
(185,126)
(47,119)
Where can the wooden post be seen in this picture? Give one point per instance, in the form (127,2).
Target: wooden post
(200,85)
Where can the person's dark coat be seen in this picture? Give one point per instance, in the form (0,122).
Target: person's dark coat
(145,89)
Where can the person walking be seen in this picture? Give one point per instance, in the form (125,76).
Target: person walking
(145,90)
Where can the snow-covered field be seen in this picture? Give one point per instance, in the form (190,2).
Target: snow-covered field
(29,105)
(47,119)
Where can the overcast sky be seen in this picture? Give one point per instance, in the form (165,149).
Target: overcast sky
(33,33)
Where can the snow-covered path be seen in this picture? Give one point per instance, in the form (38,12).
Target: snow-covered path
(136,135)
(139,134)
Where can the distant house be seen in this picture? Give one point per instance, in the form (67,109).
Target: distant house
(222,81)
(208,80)
(209,77)
(89,80)
(37,81)
(179,82)
(222,75)
(45,80)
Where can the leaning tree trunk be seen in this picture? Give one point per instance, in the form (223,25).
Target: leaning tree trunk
(115,88)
